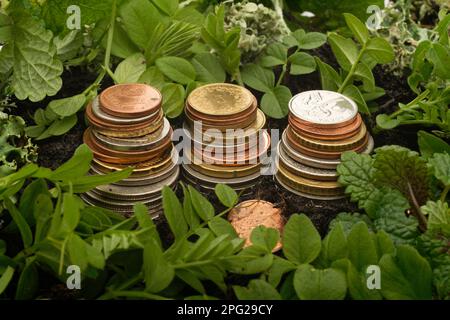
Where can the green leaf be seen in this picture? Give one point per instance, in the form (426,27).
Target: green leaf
(77,166)
(275,55)
(221,226)
(344,50)
(353,93)
(440,164)
(249,262)
(302,63)
(191,279)
(59,127)
(438,215)
(28,283)
(257,290)
(6,278)
(177,69)
(37,69)
(361,248)
(158,273)
(430,144)
(358,28)
(86,183)
(67,106)
(130,69)
(313,284)
(380,50)
(226,195)
(174,213)
(136,17)
(405,275)
(275,103)
(2,247)
(173,99)
(356,175)
(329,78)
(153,77)
(439,55)
(357,285)
(71,213)
(363,72)
(201,205)
(301,241)
(265,237)
(24,228)
(208,68)
(258,78)
(334,246)
(169,7)
(279,267)
(307,41)
(384,121)
(68,46)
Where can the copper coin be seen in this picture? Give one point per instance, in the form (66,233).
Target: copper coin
(320,154)
(221,120)
(332,146)
(117,157)
(327,133)
(135,133)
(100,114)
(251,156)
(220,99)
(326,109)
(130,100)
(242,123)
(248,215)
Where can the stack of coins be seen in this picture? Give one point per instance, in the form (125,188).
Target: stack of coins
(224,129)
(128,129)
(322,125)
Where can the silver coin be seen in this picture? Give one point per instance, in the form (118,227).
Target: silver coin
(305,195)
(112,191)
(213,180)
(245,188)
(119,204)
(316,162)
(146,142)
(323,107)
(116,120)
(303,170)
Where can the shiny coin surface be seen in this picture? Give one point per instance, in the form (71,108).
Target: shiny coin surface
(305,195)
(323,107)
(333,146)
(136,193)
(248,215)
(309,186)
(302,170)
(220,99)
(123,132)
(237,124)
(136,144)
(99,113)
(130,100)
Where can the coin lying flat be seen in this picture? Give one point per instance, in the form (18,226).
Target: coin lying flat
(220,99)
(321,107)
(130,100)
(237,124)
(135,132)
(248,215)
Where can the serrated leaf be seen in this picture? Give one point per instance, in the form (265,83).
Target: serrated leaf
(438,215)
(257,290)
(275,103)
(302,63)
(301,241)
(130,69)
(313,284)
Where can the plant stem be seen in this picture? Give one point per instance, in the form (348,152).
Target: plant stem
(352,69)
(418,213)
(412,104)
(444,193)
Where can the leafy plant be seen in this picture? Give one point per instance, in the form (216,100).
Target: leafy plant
(355,78)
(430,81)
(291,59)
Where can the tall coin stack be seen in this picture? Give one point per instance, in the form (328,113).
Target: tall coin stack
(128,129)
(322,125)
(224,128)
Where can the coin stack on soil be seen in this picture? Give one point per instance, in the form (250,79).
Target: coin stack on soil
(224,130)
(128,129)
(322,125)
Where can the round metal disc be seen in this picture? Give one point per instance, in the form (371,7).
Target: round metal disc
(213,180)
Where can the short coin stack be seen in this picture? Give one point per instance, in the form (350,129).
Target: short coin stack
(224,129)
(322,125)
(128,129)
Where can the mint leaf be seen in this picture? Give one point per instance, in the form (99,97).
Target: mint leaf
(301,241)
(313,284)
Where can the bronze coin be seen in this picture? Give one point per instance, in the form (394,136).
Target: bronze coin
(118,157)
(248,215)
(220,99)
(135,133)
(130,100)
(349,129)
(242,123)
(320,154)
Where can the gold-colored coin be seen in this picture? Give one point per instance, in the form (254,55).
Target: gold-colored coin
(220,99)
(135,133)
(309,186)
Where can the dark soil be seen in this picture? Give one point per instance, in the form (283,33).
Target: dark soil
(55,151)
